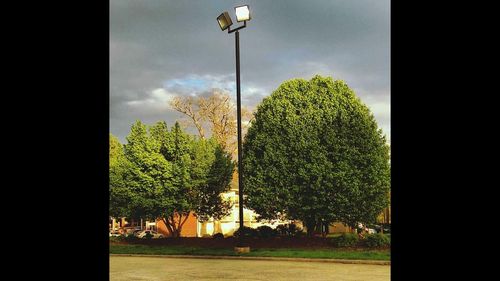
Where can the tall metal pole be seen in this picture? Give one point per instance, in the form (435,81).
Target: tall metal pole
(240,152)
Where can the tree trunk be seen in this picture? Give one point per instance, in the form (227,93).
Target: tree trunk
(169,226)
(324,229)
(310,228)
(181,223)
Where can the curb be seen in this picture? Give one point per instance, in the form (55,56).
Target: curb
(372,262)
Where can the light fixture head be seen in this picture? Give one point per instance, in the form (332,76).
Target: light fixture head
(224,21)
(242,13)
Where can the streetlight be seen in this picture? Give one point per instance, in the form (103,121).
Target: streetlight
(225,22)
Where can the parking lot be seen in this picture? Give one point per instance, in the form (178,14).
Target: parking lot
(163,269)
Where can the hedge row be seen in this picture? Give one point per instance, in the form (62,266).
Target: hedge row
(376,240)
(264,231)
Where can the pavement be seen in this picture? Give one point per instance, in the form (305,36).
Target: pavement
(165,268)
(379,262)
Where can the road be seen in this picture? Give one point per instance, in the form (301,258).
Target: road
(179,269)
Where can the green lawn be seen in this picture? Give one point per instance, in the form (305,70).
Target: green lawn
(289,253)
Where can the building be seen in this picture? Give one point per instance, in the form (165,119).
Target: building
(339,227)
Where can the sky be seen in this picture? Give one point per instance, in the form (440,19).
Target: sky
(160,49)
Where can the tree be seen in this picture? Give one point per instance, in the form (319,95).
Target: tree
(176,151)
(119,194)
(314,153)
(215,112)
(167,175)
(115,150)
(211,171)
(148,174)
(218,110)
(217,181)
(189,106)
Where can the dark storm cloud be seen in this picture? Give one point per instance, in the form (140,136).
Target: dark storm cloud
(159,49)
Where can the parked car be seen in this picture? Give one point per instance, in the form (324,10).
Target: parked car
(370,229)
(378,228)
(114,233)
(143,233)
(387,228)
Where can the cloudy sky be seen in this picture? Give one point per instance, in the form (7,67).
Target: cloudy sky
(162,48)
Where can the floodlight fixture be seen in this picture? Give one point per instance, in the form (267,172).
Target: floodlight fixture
(242,13)
(224,21)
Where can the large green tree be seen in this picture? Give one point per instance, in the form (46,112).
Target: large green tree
(168,175)
(115,150)
(314,153)
(119,194)
(215,179)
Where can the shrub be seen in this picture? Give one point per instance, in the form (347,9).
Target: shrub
(377,240)
(247,232)
(294,230)
(387,228)
(299,233)
(148,236)
(345,240)
(130,238)
(289,230)
(116,238)
(266,231)
(281,230)
(218,236)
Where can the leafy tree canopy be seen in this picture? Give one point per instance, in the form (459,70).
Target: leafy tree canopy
(167,175)
(314,153)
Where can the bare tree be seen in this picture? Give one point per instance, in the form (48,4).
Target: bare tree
(189,106)
(216,112)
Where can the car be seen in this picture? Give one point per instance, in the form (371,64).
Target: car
(386,228)
(143,233)
(114,234)
(370,229)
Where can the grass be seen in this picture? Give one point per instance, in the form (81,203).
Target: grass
(288,253)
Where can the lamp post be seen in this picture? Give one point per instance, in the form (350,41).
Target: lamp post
(225,22)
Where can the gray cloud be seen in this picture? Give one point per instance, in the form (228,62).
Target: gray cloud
(177,48)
